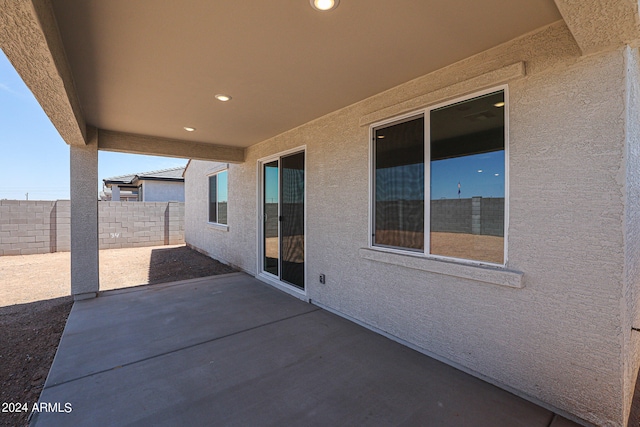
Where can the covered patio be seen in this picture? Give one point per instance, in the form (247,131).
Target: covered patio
(245,84)
(230,350)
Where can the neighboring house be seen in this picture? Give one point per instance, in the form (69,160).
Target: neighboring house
(465,180)
(166,185)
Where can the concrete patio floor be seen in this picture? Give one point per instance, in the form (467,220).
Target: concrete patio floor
(229,350)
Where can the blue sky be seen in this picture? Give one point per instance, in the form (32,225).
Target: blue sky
(34,157)
(479,175)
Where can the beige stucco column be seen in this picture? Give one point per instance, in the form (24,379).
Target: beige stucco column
(85,281)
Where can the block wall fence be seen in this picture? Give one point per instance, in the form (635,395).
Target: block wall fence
(476,215)
(36,227)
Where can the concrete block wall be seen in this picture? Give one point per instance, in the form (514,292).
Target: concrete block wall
(137,224)
(25,227)
(62,229)
(478,215)
(174,223)
(271,209)
(492,216)
(36,227)
(451,215)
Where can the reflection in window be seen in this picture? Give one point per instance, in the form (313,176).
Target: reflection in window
(271,205)
(399,185)
(218,198)
(466,181)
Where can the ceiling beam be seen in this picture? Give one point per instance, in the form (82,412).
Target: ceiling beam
(141,144)
(601,24)
(29,37)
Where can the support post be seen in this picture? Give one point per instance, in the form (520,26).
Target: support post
(85,280)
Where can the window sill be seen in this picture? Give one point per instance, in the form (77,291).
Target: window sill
(216,226)
(494,275)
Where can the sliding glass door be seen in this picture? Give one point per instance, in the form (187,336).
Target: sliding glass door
(283,218)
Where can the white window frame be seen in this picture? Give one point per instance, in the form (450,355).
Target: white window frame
(426,113)
(216,172)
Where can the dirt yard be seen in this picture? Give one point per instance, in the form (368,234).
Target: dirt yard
(35,304)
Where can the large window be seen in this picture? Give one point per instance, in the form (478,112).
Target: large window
(456,161)
(218,198)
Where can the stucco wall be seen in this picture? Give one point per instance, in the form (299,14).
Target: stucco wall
(559,339)
(631,317)
(163,191)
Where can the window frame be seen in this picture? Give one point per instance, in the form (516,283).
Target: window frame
(209,176)
(425,112)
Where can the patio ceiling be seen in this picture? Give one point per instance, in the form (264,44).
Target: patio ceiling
(151,68)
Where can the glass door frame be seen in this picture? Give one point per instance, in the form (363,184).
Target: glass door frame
(261,273)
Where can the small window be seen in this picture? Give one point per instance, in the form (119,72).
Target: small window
(464,147)
(218,198)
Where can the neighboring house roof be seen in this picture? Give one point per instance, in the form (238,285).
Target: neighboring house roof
(171,174)
(186,167)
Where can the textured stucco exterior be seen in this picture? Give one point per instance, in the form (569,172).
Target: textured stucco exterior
(142,144)
(631,295)
(85,279)
(564,338)
(50,81)
(597,25)
(162,191)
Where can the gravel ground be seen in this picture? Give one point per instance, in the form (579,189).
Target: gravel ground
(35,304)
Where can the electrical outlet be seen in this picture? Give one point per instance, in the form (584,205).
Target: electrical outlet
(323,279)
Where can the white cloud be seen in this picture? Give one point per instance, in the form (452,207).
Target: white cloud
(6,88)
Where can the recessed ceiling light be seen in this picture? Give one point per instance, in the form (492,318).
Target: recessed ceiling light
(380,136)
(189,129)
(479,170)
(496,174)
(223,98)
(499,104)
(324,4)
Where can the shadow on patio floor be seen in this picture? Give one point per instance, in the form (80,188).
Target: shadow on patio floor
(181,263)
